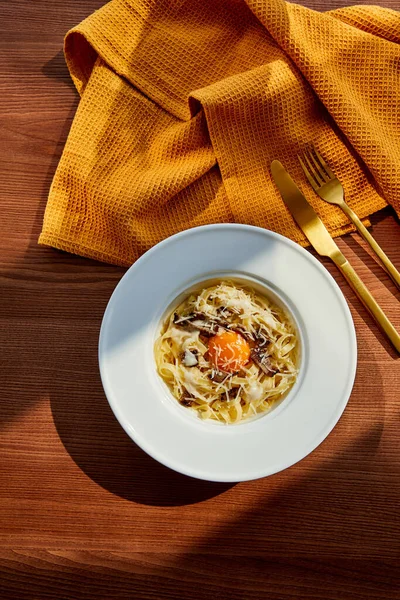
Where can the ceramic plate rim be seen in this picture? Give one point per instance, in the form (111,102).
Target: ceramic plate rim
(139,264)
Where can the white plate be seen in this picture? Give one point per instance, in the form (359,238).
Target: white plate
(174,435)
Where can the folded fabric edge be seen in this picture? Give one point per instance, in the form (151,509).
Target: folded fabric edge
(80,70)
(54,241)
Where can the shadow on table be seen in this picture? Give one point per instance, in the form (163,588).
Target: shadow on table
(100,447)
(29,287)
(328,531)
(63,297)
(56,68)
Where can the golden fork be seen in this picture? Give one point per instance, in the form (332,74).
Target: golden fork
(324,181)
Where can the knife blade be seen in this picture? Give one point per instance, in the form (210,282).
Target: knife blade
(319,237)
(304,214)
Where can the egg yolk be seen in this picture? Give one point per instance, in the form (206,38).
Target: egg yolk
(229,351)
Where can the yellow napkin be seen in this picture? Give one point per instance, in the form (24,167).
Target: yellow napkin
(185,103)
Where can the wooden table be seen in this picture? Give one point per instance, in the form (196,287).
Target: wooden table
(84,513)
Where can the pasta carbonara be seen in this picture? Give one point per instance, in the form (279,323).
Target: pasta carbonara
(228,353)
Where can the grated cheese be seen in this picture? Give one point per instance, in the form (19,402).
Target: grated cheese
(240,395)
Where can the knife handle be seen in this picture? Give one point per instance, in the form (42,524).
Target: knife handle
(370,303)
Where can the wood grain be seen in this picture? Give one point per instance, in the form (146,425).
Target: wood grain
(84,513)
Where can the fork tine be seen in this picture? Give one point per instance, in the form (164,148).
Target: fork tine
(319,179)
(307,173)
(320,170)
(323,163)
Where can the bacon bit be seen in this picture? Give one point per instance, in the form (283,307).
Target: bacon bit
(232,393)
(262,340)
(218,376)
(199,321)
(207,328)
(223,312)
(262,360)
(243,332)
(187,399)
(186,402)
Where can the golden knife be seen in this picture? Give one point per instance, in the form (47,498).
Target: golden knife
(308,220)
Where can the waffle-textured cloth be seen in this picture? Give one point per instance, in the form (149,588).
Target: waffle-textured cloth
(185,103)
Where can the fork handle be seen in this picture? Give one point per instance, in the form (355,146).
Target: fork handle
(370,303)
(388,265)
